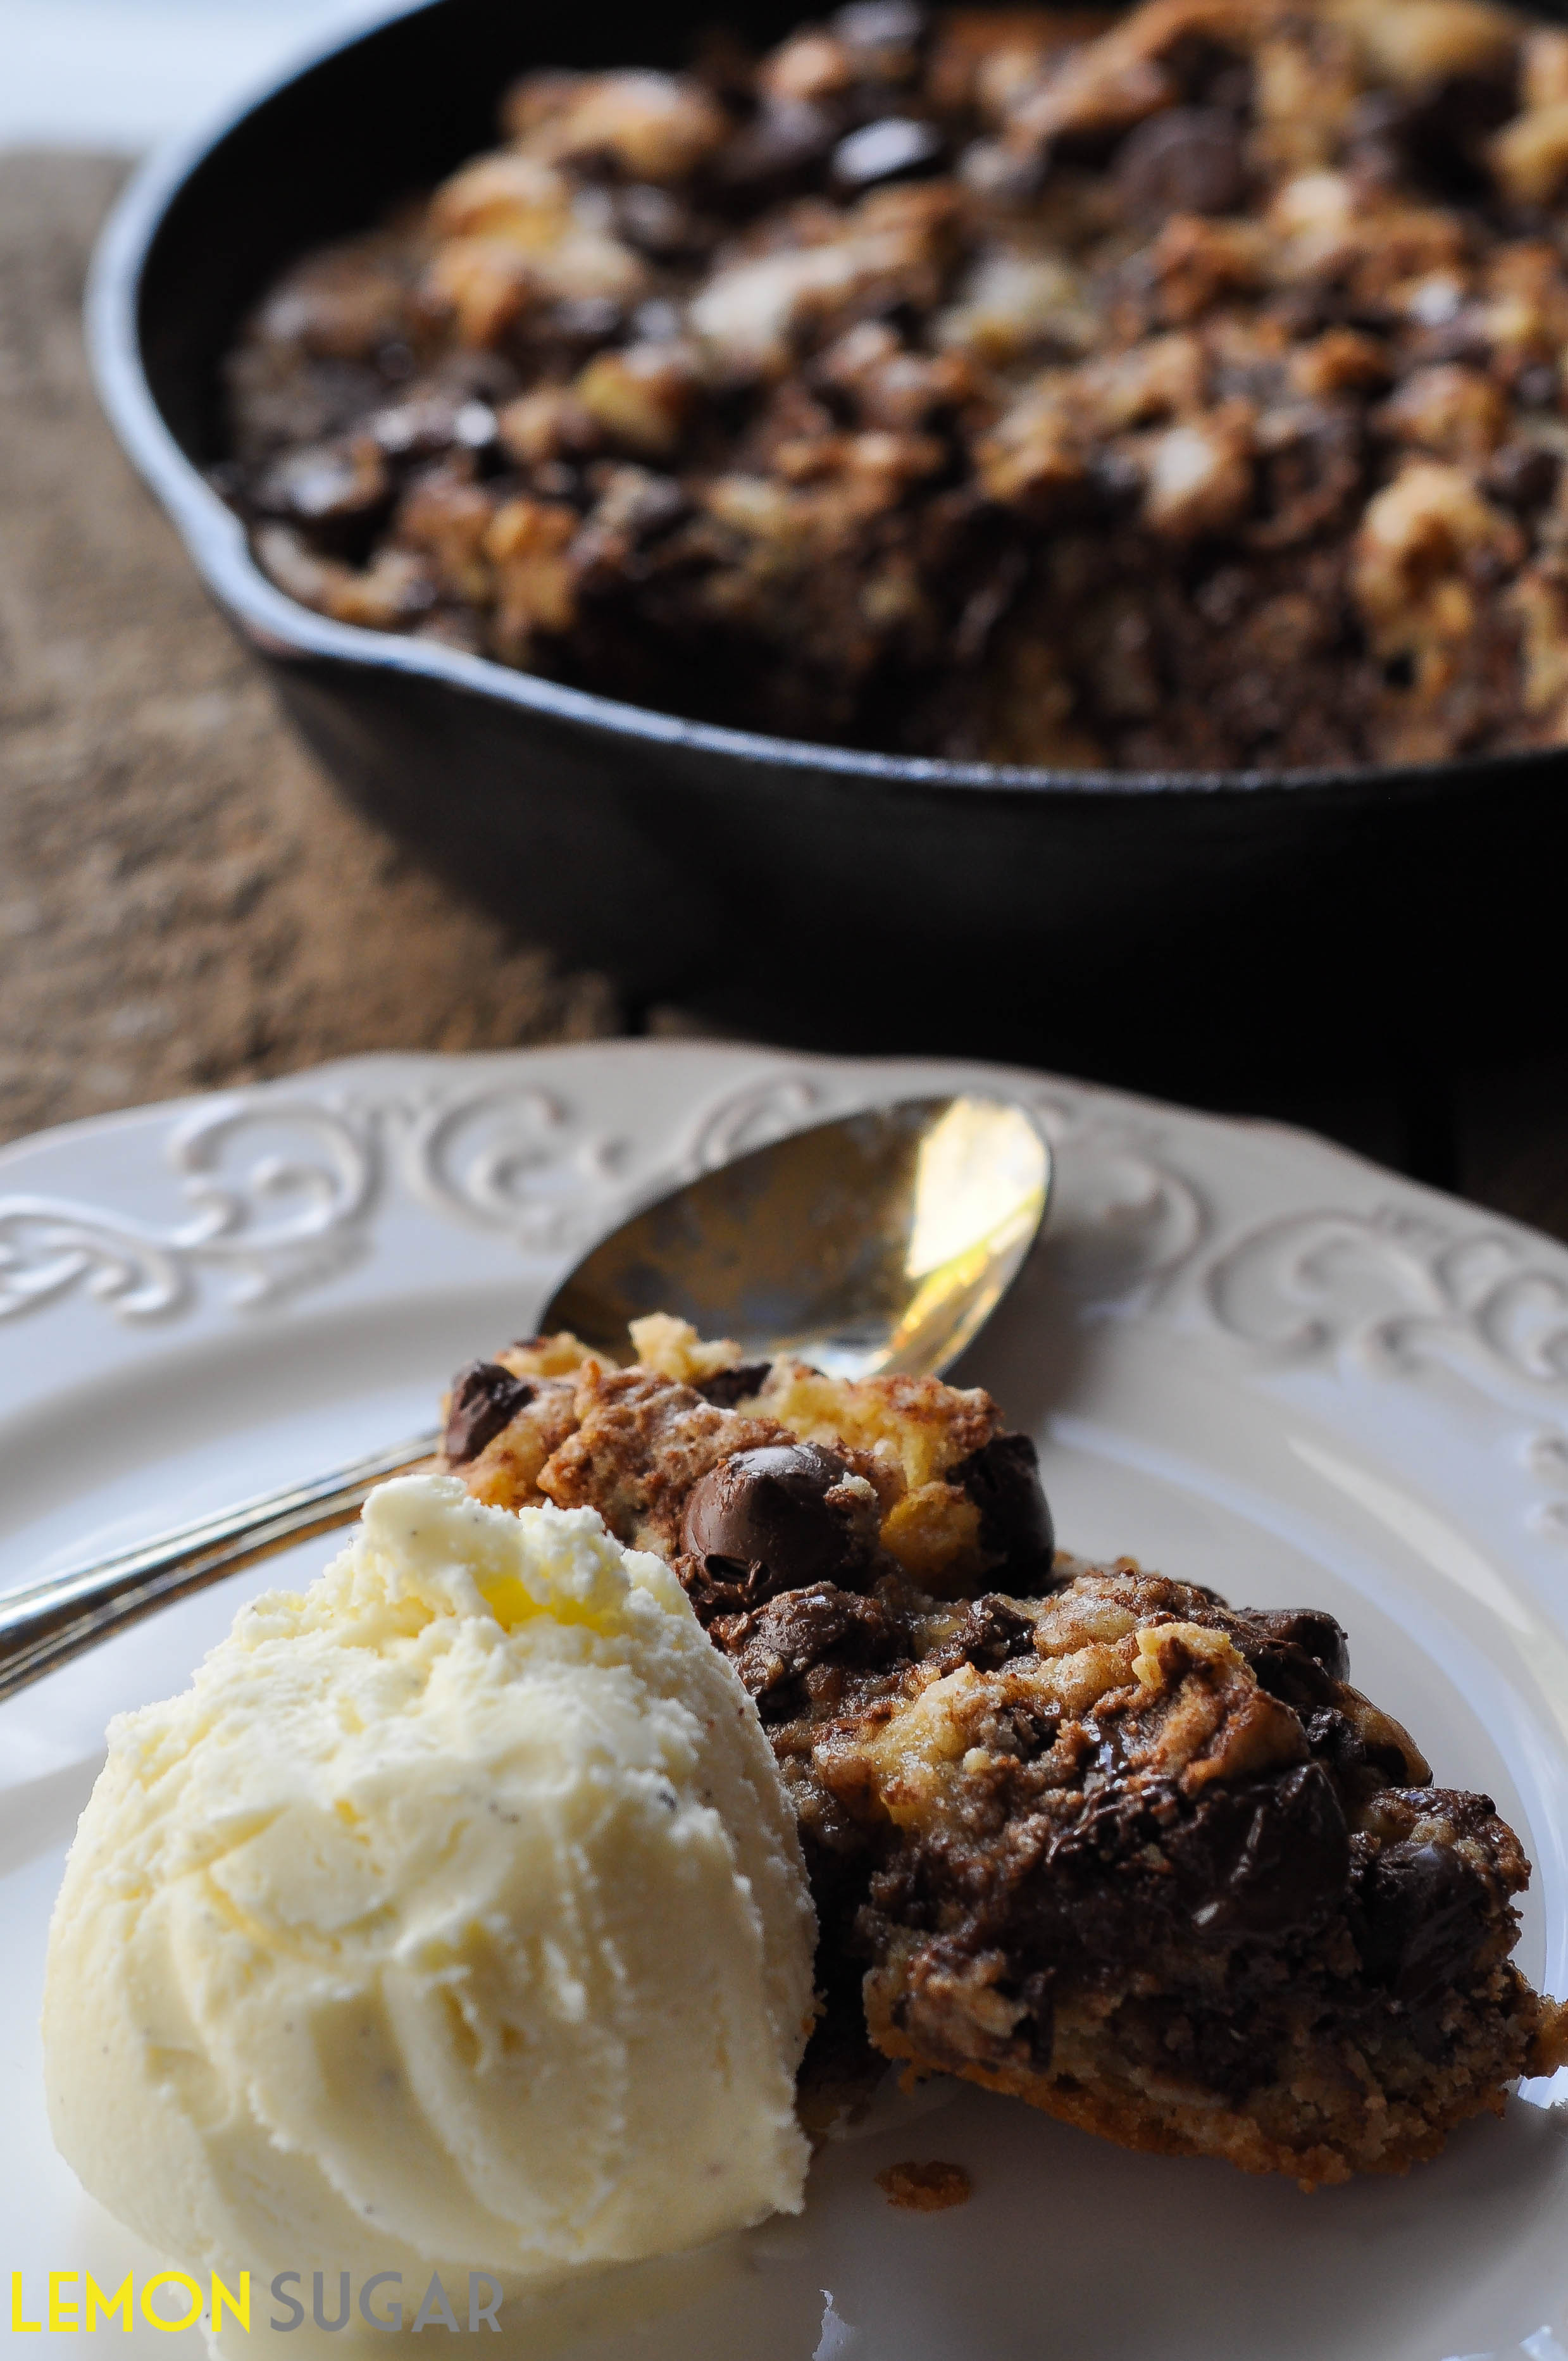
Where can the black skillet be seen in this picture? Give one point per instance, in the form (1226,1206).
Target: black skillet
(1188,932)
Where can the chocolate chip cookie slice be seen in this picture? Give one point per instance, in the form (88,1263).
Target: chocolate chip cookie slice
(1164,1874)
(1077,1833)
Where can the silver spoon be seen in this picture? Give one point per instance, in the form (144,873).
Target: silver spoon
(879,1243)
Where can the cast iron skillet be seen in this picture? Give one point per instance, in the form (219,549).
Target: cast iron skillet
(1173,929)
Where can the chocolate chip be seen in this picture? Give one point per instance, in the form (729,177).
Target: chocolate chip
(766,1516)
(485,1398)
(898,147)
(725,1387)
(1425,1912)
(990,1633)
(791,1635)
(783,144)
(327,483)
(1298,1653)
(1186,160)
(1323,1638)
(721,1586)
(1002,1479)
(1522,476)
(1265,1858)
(1336,1742)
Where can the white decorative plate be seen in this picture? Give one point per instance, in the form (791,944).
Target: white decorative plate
(1250,1358)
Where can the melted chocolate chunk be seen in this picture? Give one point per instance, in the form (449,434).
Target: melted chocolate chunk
(899,148)
(485,1398)
(719,1586)
(1336,1743)
(1307,1627)
(1522,476)
(1002,1479)
(993,1632)
(1425,1911)
(1262,1859)
(338,492)
(783,143)
(1217,2051)
(1434,133)
(1297,1653)
(795,1633)
(763,1517)
(725,1387)
(1186,160)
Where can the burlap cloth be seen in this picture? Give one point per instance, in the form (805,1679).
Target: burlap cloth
(184,902)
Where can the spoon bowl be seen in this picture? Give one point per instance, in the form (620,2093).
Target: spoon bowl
(874,1244)
(879,1243)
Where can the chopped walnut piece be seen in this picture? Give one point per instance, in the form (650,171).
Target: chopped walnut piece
(809,65)
(657,127)
(1418,538)
(672,1349)
(1456,412)
(484,283)
(504,195)
(641,397)
(1543,74)
(546,424)
(527,544)
(1014,302)
(892,386)
(1344,361)
(1199,474)
(1195,264)
(389,592)
(1529,155)
(445,515)
(1419,42)
(890,249)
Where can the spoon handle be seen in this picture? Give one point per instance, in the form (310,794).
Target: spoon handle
(45,1625)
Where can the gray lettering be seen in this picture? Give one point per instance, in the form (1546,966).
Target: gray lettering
(434,2294)
(279,2296)
(382,2278)
(345,2302)
(485,2311)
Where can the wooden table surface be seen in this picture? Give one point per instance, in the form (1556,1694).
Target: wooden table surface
(183,900)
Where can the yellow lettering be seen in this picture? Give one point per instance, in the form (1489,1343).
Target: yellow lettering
(123,2295)
(171,2278)
(238,2304)
(19,2324)
(58,2306)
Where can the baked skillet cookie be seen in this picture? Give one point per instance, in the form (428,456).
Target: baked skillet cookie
(1176,391)
(1078,1832)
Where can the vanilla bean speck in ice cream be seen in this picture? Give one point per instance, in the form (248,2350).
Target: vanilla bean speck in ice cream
(453,1915)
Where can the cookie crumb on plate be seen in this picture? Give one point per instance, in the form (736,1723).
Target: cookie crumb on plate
(926,2188)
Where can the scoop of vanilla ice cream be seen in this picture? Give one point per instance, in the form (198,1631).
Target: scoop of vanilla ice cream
(455,1914)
